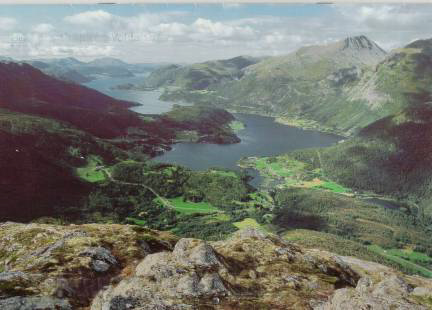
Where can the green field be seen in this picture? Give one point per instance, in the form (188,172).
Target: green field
(136,221)
(188,207)
(332,186)
(224,173)
(92,172)
(248,223)
(292,172)
(236,126)
(413,256)
(216,218)
(395,256)
(279,166)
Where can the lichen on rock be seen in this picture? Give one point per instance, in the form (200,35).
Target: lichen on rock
(119,267)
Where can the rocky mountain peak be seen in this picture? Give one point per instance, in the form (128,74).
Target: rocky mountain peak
(361,42)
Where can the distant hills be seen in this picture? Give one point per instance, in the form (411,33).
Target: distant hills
(198,76)
(332,84)
(74,70)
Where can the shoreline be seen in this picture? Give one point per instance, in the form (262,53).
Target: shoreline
(302,123)
(294,121)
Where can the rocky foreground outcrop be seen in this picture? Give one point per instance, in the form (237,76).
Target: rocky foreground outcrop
(118,267)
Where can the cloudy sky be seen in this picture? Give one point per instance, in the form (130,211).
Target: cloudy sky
(192,33)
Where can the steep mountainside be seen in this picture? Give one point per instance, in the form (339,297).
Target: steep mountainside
(37,161)
(392,155)
(198,76)
(331,84)
(128,267)
(26,89)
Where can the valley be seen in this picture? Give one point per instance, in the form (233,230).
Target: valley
(334,174)
(212,185)
(276,174)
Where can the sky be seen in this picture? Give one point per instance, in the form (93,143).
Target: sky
(187,33)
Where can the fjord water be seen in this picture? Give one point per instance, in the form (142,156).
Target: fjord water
(262,136)
(149,99)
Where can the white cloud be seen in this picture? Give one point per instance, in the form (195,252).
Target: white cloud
(170,29)
(211,30)
(231,5)
(90,18)
(7,23)
(183,36)
(386,14)
(43,28)
(387,17)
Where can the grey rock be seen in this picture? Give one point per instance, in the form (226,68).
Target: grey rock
(99,265)
(388,294)
(197,253)
(293,281)
(99,253)
(422,291)
(392,285)
(156,265)
(123,303)
(364,285)
(102,259)
(145,247)
(212,284)
(34,303)
(188,285)
(249,233)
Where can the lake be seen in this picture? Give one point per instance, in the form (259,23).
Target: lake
(149,99)
(261,136)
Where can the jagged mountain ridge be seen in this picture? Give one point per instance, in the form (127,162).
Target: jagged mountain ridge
(329,84)
(392,154)
(198,76)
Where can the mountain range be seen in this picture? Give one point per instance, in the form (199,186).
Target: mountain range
(342,86)
(73,70)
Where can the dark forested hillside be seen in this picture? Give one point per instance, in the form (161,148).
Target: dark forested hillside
(26,89)
(55,137)
(37,161)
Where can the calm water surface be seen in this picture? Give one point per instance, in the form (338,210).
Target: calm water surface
(261,137)
(149,99)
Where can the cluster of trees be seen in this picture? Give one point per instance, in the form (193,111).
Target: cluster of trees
(131,199)
(351,218)
(218,188)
